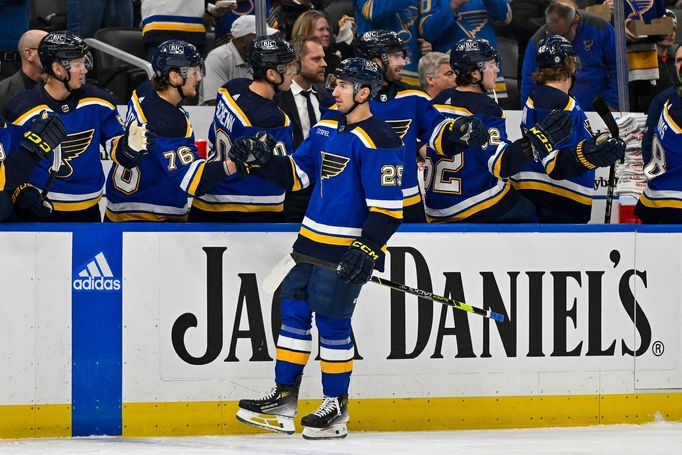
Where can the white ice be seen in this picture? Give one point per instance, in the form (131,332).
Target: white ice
(652,439)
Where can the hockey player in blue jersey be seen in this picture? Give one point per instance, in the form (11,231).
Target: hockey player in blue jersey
(90,119)
(561,185)
(157,183)
(408,111)
(244,108)
(472,186)
(352,159)
(16,164)
(661,200)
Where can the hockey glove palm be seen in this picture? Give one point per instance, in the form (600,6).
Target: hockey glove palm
(541,138)
(137,141)
(28,205)
(600,152)
(251,152)
(45,134)
(357,263)
(464,132)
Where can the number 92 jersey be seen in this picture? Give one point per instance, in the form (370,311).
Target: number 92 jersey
(160,186)
(466,186)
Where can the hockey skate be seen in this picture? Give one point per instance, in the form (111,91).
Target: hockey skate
(274,412)
(329,421)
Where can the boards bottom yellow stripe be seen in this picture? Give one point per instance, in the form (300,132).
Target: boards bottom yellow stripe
(414,414)
(35,421)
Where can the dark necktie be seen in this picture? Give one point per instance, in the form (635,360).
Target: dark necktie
(311,109)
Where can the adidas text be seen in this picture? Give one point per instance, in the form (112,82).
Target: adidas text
(97,284)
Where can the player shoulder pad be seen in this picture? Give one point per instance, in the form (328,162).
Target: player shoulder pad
(25,105)
(89,94)
(672,113)
(377,134)
(260,112)
(170,121)
(546,97)
(237,85)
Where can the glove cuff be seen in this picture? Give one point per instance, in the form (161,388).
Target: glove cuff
(368,247)
(579,155)
(17,191)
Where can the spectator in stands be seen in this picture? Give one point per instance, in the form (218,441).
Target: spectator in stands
(594,41)
(402,17)
(304,104)
(85,17)
(223,24)
(185,20)
(30,72)
(445,22)
(14,23)
(316,23)
(228,61)
(283,16)
(435,73)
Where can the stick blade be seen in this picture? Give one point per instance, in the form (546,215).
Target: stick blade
(277,274)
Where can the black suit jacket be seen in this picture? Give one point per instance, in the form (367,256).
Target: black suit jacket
(12,86)
(285,101)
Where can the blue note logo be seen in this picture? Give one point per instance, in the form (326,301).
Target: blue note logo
(97,276)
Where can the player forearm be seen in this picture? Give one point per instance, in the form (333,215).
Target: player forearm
(279,170)
(565,165)
(18,167)
(379,227)
(511,159)
(212,174)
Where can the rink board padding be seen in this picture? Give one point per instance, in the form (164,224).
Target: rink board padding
(119,329)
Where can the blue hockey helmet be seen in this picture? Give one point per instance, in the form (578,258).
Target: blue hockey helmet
(553,50)
(380,43)
(270,52)
(362,73)
(175,55)
(62,47)
(472,51)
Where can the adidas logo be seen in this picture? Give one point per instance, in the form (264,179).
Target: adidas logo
(97,276)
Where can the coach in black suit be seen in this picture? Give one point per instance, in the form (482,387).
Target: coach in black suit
(304,104)
(30,72)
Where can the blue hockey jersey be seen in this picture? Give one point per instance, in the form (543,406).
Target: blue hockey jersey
(558,183)
(410,113)
(663,193)
(469,186)
(91,120)
(241,112)
(398,16)
(355,172)
(160,186)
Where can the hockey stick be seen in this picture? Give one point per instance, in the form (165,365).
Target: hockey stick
(278,273)
(56,164)
(606,115)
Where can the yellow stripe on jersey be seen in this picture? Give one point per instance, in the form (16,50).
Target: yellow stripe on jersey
(549,166)
(192,187)
(570,105)
(669,119)
(364,137)
(473,210)
(75,206)
(143,216)
(412,200)
(188,131)
(404,93)
(2,176)
(299,358)
(174,26)
(392,213)
(367,10)
(413,81)
(28,114)
(329,123)
(547,188)
(326,239)
(138,108)
(297,182)
(236,109)
(232,207)
(660,203)
(93,100)
(454,110)
(114,148)
(336,367)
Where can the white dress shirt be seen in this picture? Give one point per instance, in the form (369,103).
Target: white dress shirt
(302,106)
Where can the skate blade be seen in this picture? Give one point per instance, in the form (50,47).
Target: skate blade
(270,422)
(334,432)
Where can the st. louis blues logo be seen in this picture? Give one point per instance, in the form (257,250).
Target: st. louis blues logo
(400,127)
(332,165)
(74,145)
(638,7)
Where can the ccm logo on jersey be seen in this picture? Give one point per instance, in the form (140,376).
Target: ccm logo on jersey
(97,276)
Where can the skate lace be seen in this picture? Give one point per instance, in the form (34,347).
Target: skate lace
(328,406)
(273,393)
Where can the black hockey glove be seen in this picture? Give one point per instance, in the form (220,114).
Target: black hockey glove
(602,151)
(541,138)
(137,141)
(251,152)
(357,263)
(28,206)
(464,132)
(45,134)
